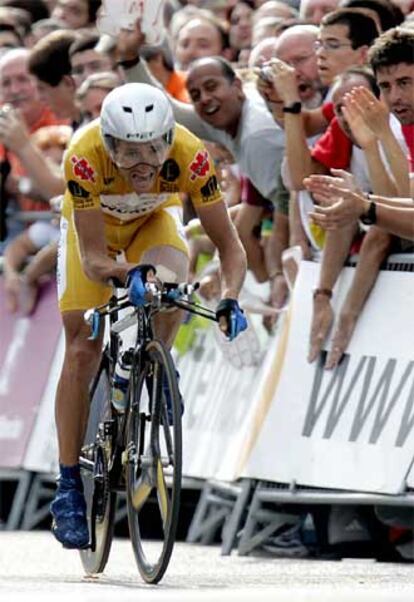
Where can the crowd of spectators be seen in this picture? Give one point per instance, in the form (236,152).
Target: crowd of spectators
(307,108)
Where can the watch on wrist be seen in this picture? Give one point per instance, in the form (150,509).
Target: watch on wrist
(295,108)
(370,216)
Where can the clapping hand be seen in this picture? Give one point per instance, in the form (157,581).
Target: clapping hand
(347,207)
(322,187)
(374,112)
(356,119)
(340,201)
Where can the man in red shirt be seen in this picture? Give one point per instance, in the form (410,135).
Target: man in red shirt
(392,59)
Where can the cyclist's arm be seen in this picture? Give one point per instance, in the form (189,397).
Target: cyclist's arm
(220,229)
(96,263)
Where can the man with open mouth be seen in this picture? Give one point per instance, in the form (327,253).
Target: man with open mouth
(121,223)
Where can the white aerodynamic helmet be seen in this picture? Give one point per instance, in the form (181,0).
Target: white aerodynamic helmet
(136,113)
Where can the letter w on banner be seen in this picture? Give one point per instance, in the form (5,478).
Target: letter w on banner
(353,427)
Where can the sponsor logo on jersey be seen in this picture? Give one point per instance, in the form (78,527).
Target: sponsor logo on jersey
(210,189)
(77,190)
(170,170)
(131,206)
(167,187)
(200,166)
(82,169)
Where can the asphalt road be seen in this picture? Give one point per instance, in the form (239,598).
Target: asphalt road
(34,567)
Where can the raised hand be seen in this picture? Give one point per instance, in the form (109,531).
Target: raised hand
(266,88)
(285,81)
(13,131)
(129,42)
(361,132)
(374,112)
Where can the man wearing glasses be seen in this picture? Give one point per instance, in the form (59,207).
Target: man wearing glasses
(295,46)
(344,39)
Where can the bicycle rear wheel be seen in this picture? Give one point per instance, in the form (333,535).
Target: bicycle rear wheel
(94,459)
(154,446)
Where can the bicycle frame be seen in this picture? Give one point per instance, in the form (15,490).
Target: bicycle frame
(122,454)
(161,297)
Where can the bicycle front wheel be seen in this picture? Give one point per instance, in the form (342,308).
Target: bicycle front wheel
(154,447)
(94,459)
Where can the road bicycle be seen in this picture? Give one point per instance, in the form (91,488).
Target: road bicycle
(137,451)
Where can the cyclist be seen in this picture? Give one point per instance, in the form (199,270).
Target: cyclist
(121,215)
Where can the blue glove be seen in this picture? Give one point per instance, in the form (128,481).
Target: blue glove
(135,283)
(236,320)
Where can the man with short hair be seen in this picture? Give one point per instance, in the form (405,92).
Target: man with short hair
(76,13)
(86,60)
(296,47)
(392,60)
(344,39)
(199,37)
(49,62)
(23,113)
(31,181)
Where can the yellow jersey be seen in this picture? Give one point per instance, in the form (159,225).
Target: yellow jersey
(93,181)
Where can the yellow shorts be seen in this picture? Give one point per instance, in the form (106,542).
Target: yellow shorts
(76,291)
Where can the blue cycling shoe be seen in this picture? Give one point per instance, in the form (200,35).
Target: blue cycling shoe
(70,526)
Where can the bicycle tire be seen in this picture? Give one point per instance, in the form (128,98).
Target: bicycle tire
(100,500)
(152,458)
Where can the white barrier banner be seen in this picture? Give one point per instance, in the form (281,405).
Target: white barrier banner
(219,408)
(42,452)
(351,428)
(410,479)
(27,347)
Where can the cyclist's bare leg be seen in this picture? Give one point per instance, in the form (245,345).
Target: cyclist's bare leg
(172,265)
(72,398)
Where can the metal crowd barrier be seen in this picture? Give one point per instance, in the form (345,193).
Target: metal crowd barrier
(238,509)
